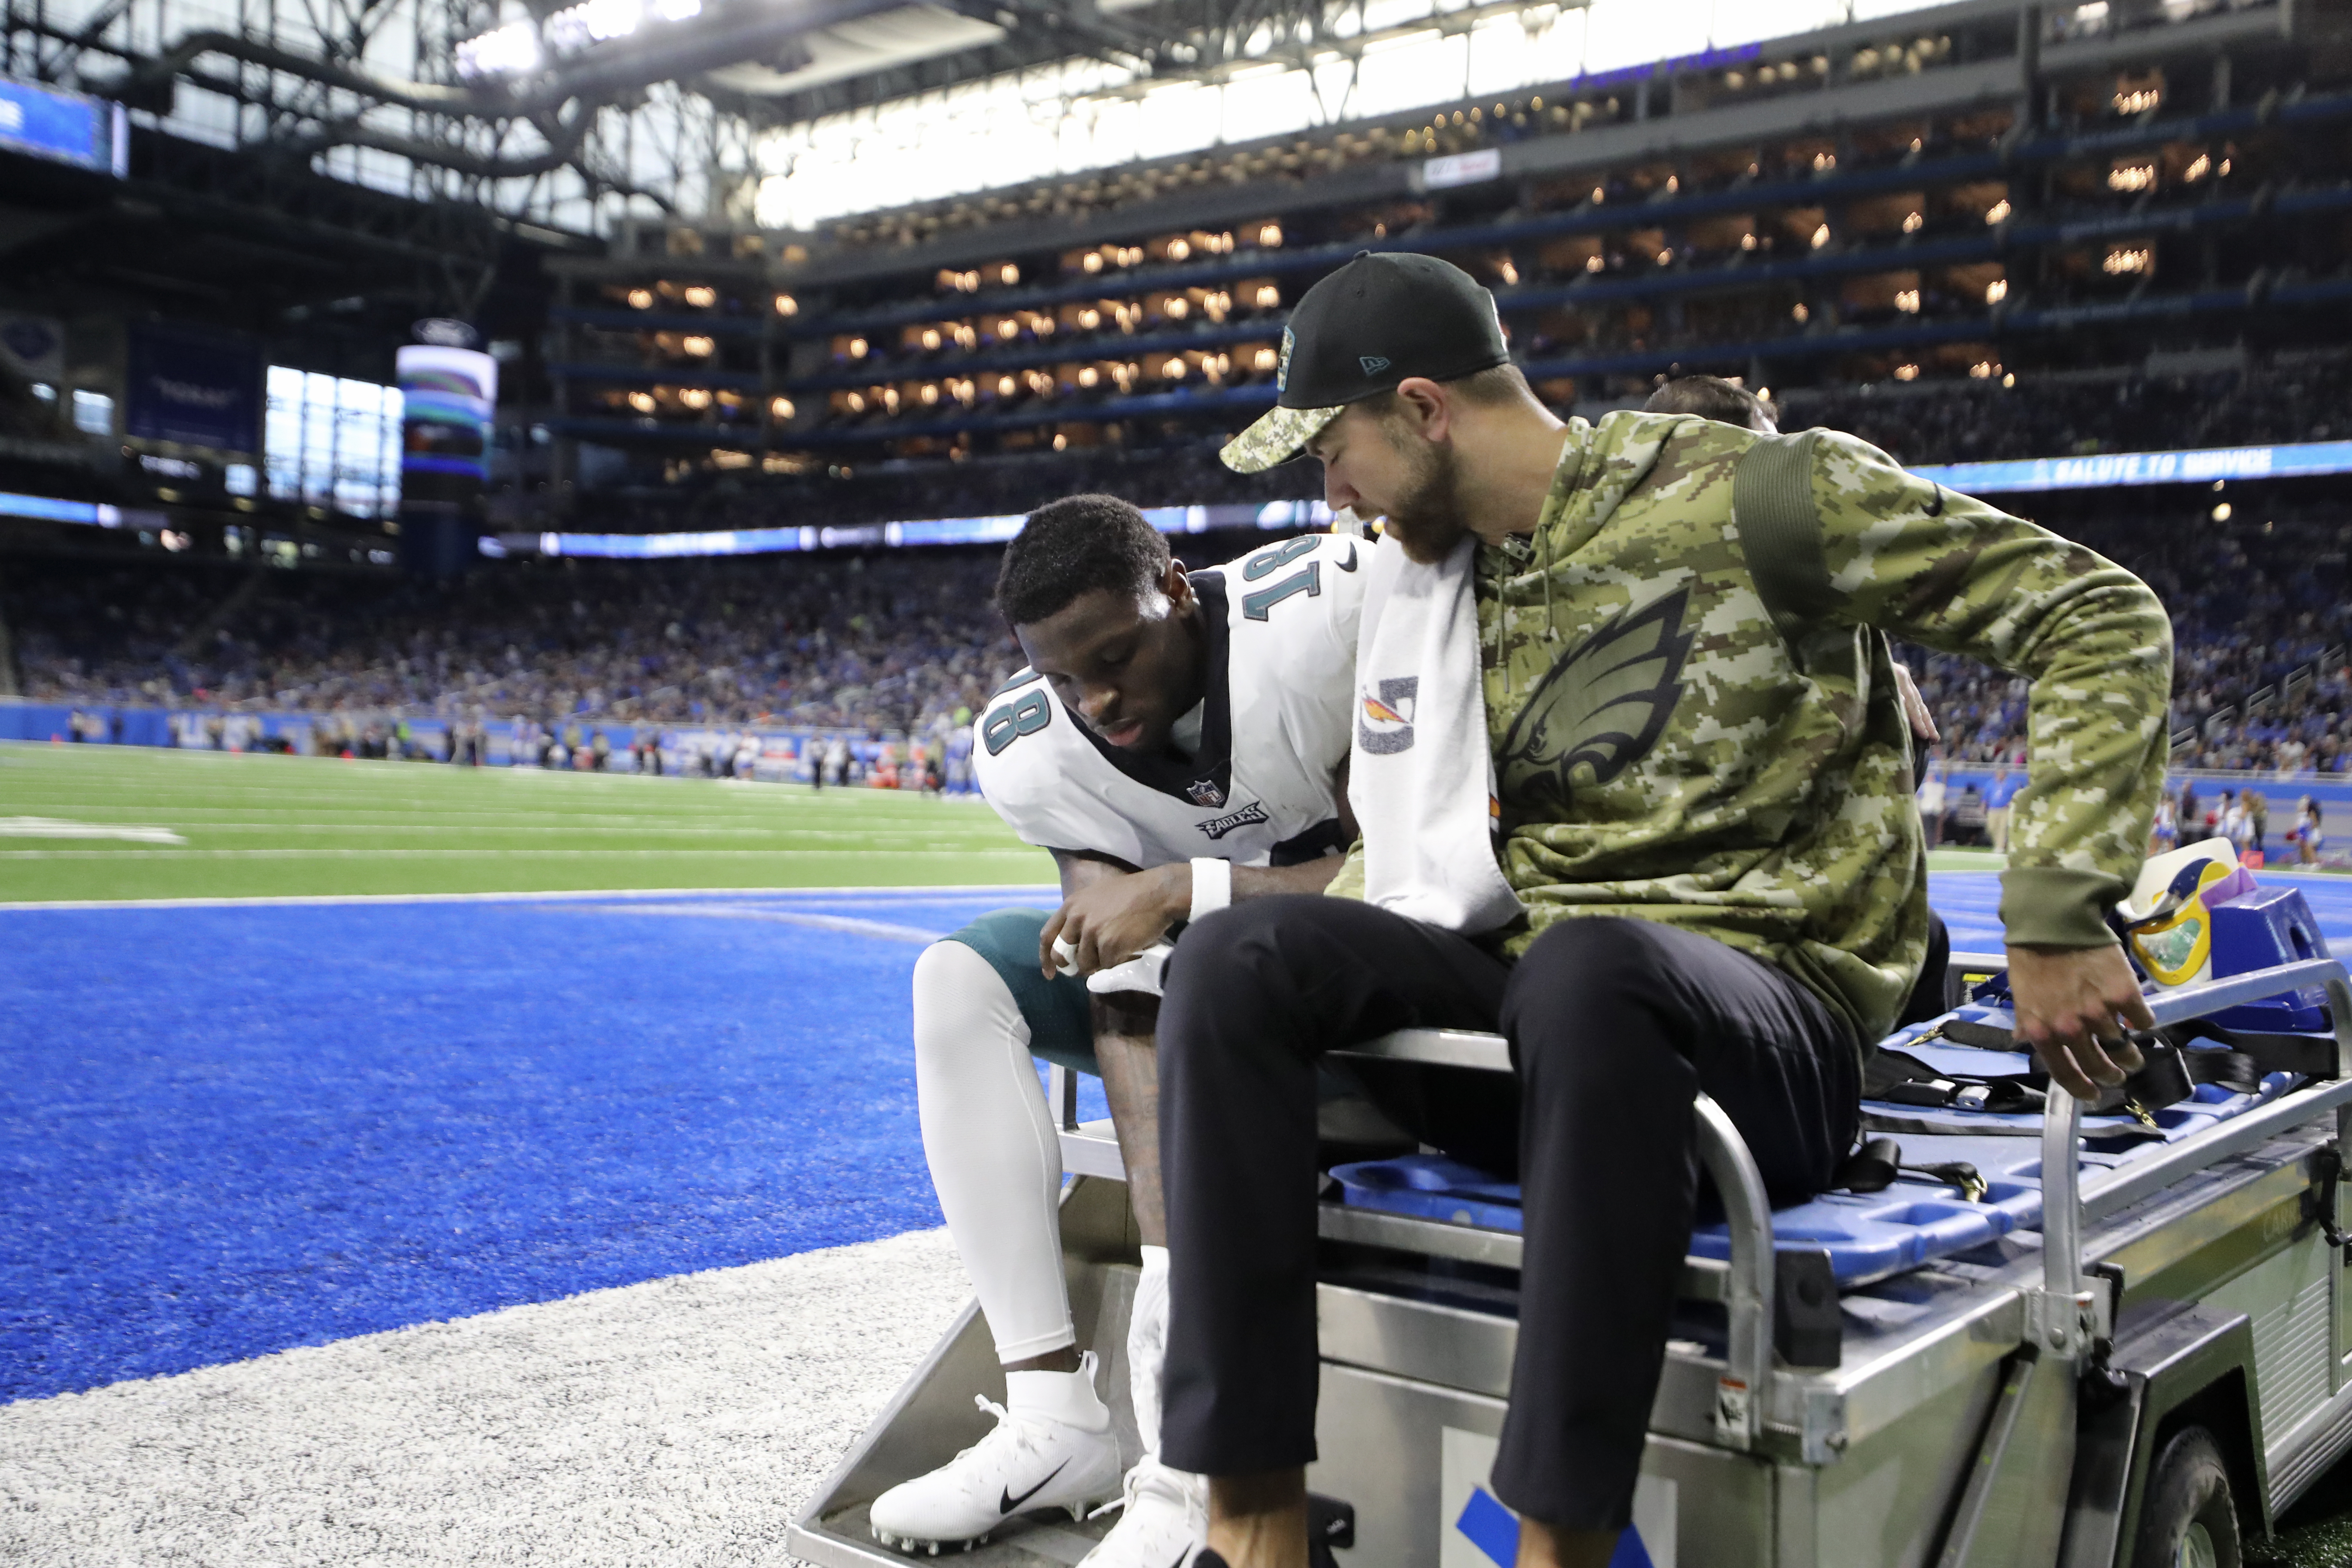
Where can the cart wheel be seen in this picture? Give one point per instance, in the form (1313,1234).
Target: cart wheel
(2188,1520)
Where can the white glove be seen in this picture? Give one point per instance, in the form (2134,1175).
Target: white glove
(1141,972)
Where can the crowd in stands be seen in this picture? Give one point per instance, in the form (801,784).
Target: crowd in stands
(888,641)
(1950,421)
(906,640)
(2261,611)
(1980,421)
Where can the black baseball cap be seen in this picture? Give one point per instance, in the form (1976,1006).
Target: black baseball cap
(1383,318)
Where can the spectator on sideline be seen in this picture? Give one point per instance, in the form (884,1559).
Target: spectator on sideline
(2004,790)
(1930,797)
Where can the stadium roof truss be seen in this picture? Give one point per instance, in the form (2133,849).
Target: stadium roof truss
(573,114)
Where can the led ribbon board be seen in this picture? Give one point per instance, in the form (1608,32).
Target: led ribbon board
(2143,468)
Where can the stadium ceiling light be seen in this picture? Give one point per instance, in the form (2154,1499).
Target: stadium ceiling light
(787,306)
(702,296)
(511,50)
(781,408)
(642,298)
(519,48)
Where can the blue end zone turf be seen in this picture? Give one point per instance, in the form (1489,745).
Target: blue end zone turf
(230,1131)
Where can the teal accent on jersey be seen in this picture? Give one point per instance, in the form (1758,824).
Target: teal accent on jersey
(1061,1023)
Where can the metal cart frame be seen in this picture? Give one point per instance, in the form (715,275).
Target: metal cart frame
(2005,1410)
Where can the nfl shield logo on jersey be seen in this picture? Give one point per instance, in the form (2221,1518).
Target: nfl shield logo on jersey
(1204,792)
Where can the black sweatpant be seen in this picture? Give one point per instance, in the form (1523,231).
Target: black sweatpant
(1614,1026)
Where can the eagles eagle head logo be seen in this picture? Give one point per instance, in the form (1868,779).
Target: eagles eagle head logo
(1600,710)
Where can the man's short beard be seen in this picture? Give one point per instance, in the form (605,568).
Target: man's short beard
(1428,518)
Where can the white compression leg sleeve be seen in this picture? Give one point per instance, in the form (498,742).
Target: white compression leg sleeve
(994,1158)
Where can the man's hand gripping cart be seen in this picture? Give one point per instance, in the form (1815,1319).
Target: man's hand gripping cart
(2122,1339)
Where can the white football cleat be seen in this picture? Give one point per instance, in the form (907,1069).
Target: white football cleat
(1037,1457)
(1166,1519)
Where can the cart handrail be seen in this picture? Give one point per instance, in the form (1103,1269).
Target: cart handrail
(2064,1200)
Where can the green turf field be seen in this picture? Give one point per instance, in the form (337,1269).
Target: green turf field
(260,825)
(268,825)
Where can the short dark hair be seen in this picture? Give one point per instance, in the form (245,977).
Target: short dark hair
(1709,397)
(1072,546)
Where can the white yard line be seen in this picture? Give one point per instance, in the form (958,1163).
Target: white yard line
(864,845)
(60,827)
(933,889)
(886,929)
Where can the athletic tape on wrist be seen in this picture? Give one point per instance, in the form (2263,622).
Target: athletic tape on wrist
(1213,886)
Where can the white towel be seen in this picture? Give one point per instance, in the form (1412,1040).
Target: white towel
(1421,774)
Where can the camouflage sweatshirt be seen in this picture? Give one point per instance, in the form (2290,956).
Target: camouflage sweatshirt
(1662,751)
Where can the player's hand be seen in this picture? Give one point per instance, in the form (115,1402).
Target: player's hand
(1915,707)
(1110,921)
(2073,1005)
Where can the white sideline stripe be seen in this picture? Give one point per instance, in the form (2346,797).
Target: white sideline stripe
(679,1422)
(59,827)
(855,927)
(460,853)
(262,901)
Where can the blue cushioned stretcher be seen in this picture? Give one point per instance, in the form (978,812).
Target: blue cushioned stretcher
(1867,1236)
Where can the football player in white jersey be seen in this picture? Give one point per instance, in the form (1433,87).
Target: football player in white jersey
(1179,741)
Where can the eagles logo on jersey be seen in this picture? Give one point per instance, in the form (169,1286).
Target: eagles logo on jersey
(1276,722)
(1599,710)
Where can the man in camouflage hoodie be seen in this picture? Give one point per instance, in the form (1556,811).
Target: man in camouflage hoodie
(1705,791)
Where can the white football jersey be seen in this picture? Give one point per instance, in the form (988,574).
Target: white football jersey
(1277,721)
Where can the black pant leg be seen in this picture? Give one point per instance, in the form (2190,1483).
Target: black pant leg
(1255,993)
(1928,994)
(1615,1025)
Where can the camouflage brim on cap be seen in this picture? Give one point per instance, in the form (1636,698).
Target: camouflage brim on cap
(1275,439)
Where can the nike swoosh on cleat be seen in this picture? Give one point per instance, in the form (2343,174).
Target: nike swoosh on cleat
(1006,1502)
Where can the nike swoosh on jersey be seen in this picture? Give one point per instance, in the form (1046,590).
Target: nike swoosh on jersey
(1349,564)
(1006,1502)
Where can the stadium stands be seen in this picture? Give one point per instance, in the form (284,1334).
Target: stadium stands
(876,642)
(898,640)
(1871,203)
